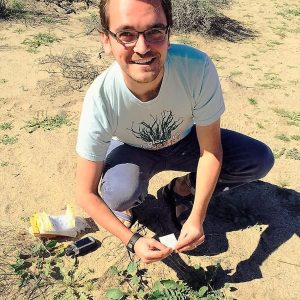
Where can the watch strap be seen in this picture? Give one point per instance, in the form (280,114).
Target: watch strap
(132,241)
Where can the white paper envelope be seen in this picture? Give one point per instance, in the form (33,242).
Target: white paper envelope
(169,240)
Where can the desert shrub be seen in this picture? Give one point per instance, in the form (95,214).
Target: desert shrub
(11,8)
(68,72)
(3,8)
(204,16)
(16,6)
(75,67)
(67,5)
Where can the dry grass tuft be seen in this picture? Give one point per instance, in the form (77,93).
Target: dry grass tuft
(75,69)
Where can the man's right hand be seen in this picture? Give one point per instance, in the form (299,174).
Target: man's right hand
(150,250)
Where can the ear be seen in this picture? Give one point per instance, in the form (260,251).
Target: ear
(106,43)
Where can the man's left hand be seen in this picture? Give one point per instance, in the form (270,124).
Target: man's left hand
(191,236)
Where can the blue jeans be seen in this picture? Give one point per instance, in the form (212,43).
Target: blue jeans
(128,169)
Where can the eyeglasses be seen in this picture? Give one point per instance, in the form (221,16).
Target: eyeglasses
(130,36)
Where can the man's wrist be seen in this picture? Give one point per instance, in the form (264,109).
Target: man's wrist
(130,245)
(197,217)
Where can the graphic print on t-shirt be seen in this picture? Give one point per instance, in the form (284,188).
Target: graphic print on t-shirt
(158,133)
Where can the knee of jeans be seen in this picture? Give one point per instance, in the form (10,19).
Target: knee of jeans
(120,187)
(266,162)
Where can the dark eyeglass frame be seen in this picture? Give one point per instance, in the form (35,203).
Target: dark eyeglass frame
(114,35)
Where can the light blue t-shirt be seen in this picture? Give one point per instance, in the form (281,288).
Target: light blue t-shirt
(190,94)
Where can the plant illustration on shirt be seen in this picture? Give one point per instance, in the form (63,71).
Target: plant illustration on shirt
(159,132)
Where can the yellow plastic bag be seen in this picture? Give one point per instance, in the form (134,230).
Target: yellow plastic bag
(43,224)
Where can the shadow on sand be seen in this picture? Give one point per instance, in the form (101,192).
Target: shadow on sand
(253,204)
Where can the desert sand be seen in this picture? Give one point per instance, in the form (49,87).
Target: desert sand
(253,232)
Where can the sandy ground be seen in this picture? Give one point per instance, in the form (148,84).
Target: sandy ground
(252,232)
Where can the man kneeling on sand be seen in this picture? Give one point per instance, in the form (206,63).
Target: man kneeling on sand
(156,108)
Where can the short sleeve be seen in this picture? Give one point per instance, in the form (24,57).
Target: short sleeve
(94,132)
(209,104)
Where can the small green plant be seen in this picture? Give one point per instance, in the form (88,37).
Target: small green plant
(40,39)
(135,286)
(281,30)
(295,137)
(217,58)
(283,183)
(271,81)
(3,80)
(44,267)
(184,39)
(5,126)
(133,279)
(25,219)
(48,20)
(282,137)
(278,153)
(4,164)
(29,267)
(170,289)
(290,12)
(235,73)
(271,44)
(293,123)
(260,126)
(293,154)
(293,116)
(294,82)
(247,56)
(252,101)
(47,123)
(19,30)
(8,140)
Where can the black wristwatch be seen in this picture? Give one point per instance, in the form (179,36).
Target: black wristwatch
(132,241)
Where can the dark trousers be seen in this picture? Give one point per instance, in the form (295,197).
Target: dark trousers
(128,169)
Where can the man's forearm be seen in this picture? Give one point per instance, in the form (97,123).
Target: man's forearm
(208,171)
(102,215)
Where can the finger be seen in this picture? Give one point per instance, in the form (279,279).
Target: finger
(187,241)
(156,255)
(188,248)
(185,249)
(157,245)
(201,240)
(192,246)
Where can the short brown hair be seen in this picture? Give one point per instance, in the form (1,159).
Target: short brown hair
(104,18)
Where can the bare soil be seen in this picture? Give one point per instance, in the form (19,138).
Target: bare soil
(253,232)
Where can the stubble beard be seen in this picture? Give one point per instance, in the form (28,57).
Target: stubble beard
(136,79)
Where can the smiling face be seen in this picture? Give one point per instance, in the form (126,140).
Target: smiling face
(142,63)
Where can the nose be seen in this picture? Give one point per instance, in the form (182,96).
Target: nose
(141,46)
